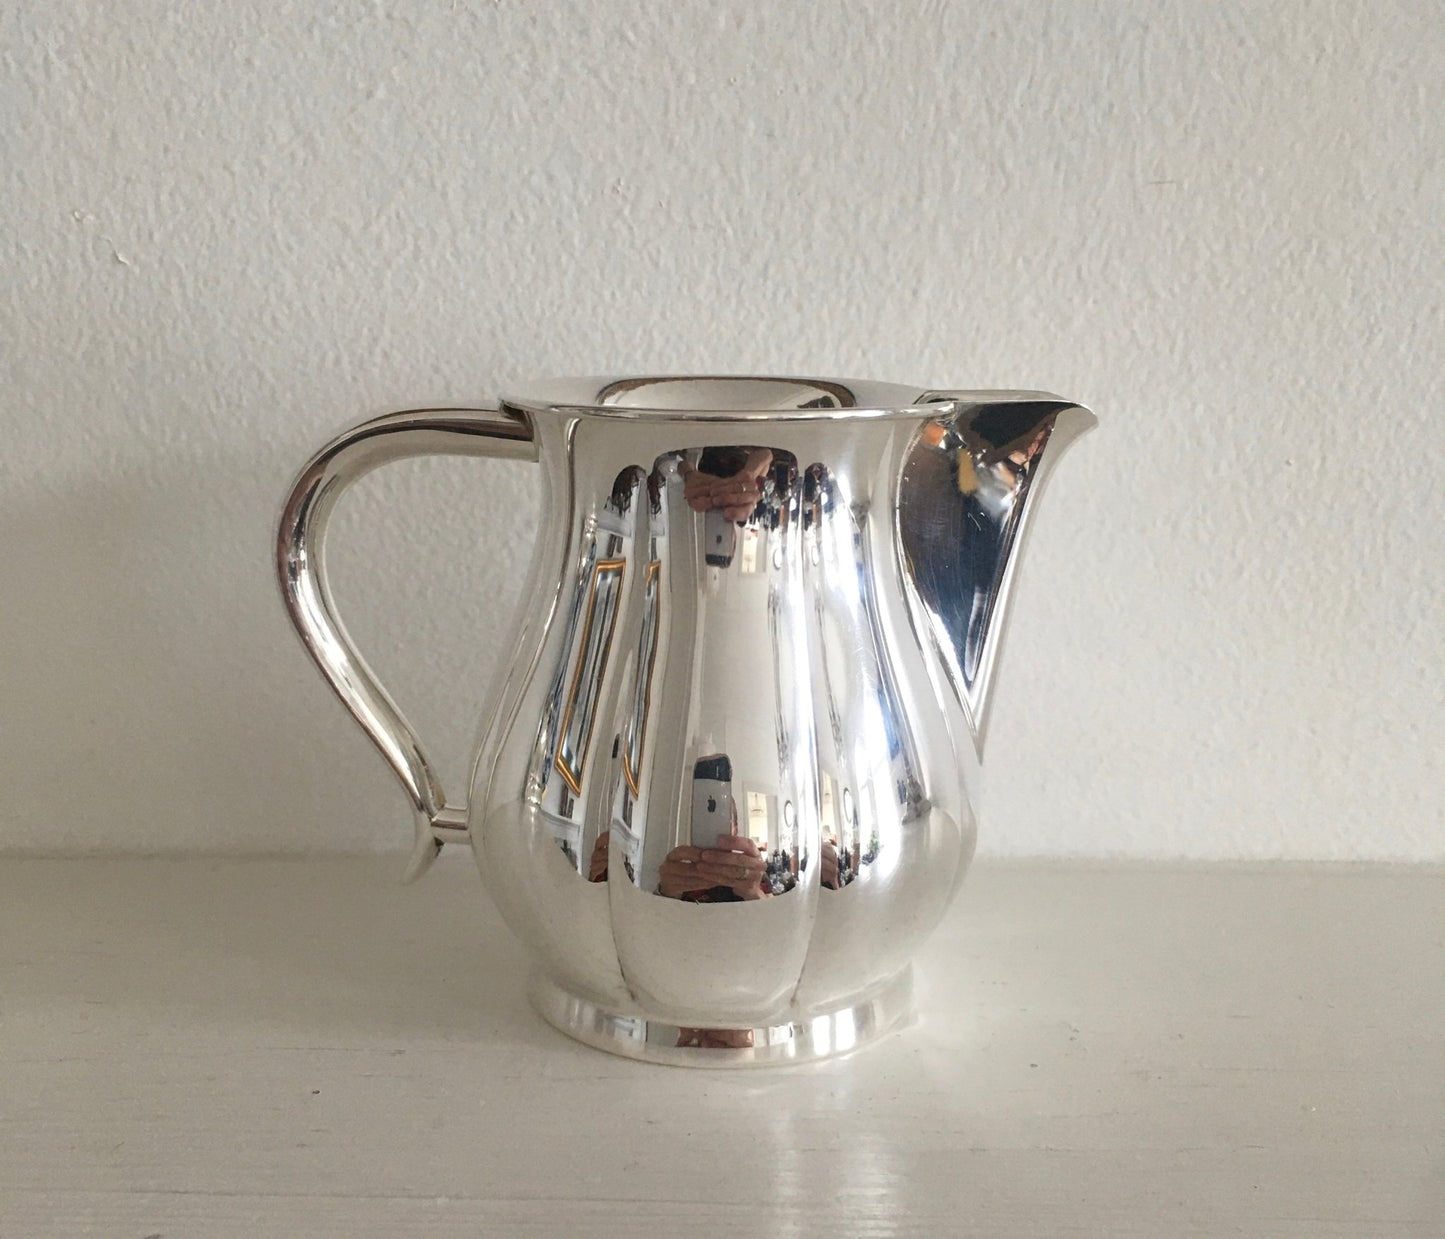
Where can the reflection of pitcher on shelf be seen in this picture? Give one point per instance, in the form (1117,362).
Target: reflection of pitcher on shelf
(728,786)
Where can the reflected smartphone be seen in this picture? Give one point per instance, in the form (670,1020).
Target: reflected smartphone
(720,540)
(712,800)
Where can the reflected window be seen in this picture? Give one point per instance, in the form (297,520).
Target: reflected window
(579,717)
(752,540)
(827,813)
(760,818)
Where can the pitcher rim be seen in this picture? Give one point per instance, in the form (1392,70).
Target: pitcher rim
(793,397)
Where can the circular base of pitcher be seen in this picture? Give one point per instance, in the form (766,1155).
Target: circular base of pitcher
(825,1033)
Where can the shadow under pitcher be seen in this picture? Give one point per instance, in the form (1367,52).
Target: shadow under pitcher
(728,784)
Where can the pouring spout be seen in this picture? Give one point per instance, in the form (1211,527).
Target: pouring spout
(971,479)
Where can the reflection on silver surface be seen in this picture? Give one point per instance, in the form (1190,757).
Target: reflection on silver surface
(594,644)
(728,786)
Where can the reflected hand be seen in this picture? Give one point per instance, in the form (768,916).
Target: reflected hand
(597,866)
(678,875)
(735,863)
(830,865)
(736,496)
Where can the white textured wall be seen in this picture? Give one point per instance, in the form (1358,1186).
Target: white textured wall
(226,230)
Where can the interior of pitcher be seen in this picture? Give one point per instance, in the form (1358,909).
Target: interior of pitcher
(726,393)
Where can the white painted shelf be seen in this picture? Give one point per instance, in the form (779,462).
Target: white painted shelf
(287,1048)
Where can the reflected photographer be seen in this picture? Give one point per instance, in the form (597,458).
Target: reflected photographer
(729,480)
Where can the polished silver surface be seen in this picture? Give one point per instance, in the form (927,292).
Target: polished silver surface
(841,1029)
(731,778)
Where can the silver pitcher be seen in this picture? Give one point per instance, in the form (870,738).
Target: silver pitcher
(729,782)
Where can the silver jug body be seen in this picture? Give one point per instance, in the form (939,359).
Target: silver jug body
(732,777)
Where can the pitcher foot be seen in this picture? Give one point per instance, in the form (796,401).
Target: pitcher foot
(801,1039)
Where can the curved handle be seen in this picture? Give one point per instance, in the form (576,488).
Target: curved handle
(301,565)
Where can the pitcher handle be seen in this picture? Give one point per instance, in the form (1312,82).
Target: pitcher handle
(301,565)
